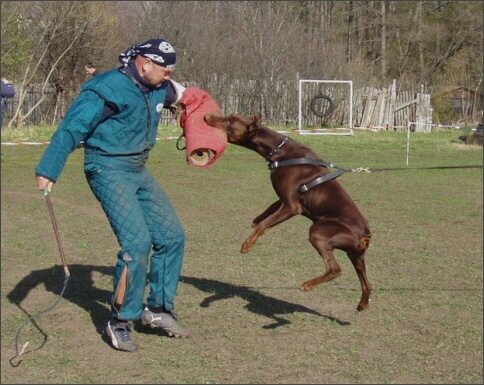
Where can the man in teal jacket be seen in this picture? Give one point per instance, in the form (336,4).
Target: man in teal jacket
(116,116)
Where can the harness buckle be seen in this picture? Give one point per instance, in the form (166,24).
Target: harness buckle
(303,189)
(273,165)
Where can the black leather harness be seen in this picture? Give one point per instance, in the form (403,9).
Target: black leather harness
(315,182)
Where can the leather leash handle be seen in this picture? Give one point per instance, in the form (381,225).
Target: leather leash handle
(56,231)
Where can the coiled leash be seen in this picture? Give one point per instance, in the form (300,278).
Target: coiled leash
(66,279)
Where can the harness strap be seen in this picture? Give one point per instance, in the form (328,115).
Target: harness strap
(321,179)
(315,182)
(290,162)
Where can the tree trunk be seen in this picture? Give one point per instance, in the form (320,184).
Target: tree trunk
(383,76)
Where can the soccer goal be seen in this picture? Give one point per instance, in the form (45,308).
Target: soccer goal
(321,98)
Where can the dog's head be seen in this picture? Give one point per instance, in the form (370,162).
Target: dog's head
(238,127)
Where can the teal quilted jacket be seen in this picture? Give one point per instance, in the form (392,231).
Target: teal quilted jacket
(122,141)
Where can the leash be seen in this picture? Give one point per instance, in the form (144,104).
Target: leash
(66,279)
(291,162)
(339,170)
(412,168)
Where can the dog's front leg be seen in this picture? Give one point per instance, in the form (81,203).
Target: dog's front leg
(283,213)
(269,211)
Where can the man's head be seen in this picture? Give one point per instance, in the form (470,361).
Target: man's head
(90,68)
(153,74)
(154,59)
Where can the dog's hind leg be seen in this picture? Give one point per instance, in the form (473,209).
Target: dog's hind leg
(333,271)
(323,244)
(357,257)
(327,236)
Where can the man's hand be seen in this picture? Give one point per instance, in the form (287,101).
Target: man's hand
(44,184)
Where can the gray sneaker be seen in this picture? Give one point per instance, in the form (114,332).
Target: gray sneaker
(120,336)
(166,320)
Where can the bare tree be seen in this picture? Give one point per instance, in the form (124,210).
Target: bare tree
(15,48)
(60,37)
(383,43)
(253,50)
(45,29)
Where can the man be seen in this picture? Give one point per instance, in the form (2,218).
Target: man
(8,91)
(116,115)
(91,69)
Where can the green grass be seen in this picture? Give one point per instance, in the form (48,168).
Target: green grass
(424,323)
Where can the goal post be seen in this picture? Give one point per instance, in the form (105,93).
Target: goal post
(347,84)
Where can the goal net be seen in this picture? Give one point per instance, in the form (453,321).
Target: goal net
(323,101)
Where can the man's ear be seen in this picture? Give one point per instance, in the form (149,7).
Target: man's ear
(146,63)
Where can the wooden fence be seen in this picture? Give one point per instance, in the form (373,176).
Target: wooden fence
(381,109)
(388,109)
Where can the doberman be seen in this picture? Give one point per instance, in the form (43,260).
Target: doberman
(304,185)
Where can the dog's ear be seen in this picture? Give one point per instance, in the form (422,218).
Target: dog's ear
(256,119)
(254,125)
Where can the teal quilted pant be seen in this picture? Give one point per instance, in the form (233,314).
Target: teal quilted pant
(144,222)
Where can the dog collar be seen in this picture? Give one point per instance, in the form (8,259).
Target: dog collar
(278,147)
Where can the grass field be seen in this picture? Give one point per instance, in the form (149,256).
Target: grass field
(250,321)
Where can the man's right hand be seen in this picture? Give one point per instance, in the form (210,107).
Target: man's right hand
(44,184)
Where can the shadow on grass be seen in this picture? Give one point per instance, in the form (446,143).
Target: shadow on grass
(81,290)
(258,303)
(78,288)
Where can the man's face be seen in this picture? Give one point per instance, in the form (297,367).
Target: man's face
(154,74)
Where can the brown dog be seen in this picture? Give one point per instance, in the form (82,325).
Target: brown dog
(304,186)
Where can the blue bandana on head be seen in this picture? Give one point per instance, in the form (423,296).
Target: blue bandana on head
(158,50)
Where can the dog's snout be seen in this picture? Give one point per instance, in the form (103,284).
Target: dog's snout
(212,120)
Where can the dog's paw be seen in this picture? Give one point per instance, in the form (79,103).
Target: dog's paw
(246,247)
(306,287)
